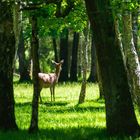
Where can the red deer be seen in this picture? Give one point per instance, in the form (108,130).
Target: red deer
(49,80)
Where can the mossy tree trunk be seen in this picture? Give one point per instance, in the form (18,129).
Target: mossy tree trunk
(120,116)
(131,56)
(84,67)
(35,58)
(135,16)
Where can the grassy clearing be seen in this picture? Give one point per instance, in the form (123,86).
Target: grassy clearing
(62,120)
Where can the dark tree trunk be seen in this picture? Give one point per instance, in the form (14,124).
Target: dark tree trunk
(64,55)
(73,69)
(93,68)
(23,63)
(120,116)
(101,92)
(35,58)
(80,58)
(55,49)
(7,52)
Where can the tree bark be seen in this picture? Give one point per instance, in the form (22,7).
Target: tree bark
(36,92)
(93,68)
(7,52)
(120,116)
(73,69)
(101,91)
(64,55)
(84,67)
(135,29)
(131,57)
(23,63)
(55,49)
(80,58)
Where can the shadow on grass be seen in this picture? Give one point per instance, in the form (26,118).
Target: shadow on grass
(76,109)
(48,104)
(55,134)
(55,103)
(61,107)
(81,133)
(25,104)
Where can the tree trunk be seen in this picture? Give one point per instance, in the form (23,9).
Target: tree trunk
(23,63)
(55,49)
(7,52)
(36,92)
(84,67)
(73,69)
(17,20)
(80,58)
(120,116)
(64,55)
(135,29)
(93,68)
(131,57)
(101,92)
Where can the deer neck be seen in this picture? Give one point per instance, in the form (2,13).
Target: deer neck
(57,72)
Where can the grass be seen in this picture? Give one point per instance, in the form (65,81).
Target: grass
(62,120)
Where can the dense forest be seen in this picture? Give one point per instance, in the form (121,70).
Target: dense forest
(45,42)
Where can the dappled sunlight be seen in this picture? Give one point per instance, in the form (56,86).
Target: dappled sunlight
(64,112)
(64,118)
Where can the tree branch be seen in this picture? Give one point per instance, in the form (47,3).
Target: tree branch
(59,12)
(66,11)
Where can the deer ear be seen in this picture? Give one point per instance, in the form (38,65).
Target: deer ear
(62,61)
(54,62)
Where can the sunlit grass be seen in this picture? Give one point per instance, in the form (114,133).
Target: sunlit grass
(61,114)
(63,119)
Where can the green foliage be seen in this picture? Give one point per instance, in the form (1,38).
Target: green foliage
(53,26)
(126,5)
(77,20)
(50,25)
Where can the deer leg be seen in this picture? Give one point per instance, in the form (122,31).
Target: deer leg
(51,93)
(40,94)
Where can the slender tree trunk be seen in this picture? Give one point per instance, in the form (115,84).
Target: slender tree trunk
(23,63)
(17,19)
(120,116)
(93,68)
(73,69)
(55,49)
(7,52)
(131,57)
(64,55)
(84,68)
(35,58)
(80,57)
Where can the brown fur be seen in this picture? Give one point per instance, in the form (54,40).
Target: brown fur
(49,80)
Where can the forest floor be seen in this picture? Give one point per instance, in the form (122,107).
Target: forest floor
(63,119)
